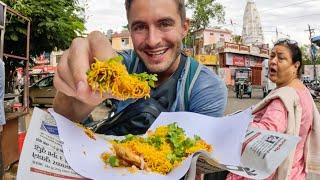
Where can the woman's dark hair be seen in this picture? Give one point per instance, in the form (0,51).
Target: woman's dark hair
(294,49)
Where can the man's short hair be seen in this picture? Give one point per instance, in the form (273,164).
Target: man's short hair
(180,5)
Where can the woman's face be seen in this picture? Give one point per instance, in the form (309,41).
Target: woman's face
(282,70)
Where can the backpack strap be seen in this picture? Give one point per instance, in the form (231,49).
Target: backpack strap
(134,62)
(192,74)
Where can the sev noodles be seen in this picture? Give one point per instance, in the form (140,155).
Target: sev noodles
(160,151)
(111,76)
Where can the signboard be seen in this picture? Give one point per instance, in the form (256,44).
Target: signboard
(255,62)
(242,75)
(244,48)
(229,60)
(243,60)
(43,69)
(207,59)
(44,58)
(264,51)
(232,46)
(238,60)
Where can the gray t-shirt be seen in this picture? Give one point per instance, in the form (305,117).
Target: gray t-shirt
(208,95)
(2,85)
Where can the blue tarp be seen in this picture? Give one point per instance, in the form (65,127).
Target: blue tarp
(316,40)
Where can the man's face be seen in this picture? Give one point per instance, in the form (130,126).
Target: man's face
(157,32)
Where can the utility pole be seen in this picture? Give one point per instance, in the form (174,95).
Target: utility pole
(313,58)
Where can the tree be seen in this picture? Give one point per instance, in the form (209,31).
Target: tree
(54,23)
(305,54)
(237,39)
(204,11)
(306,59)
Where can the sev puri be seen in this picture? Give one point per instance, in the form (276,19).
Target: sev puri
(160,151)
(111,76)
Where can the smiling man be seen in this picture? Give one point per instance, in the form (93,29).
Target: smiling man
(157,28)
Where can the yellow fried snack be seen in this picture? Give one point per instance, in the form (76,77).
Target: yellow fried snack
(111,76)
(87,131)
(161,151)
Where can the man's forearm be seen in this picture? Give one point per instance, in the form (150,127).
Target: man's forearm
(71,108)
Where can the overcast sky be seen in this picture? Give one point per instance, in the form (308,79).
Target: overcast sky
(290,17)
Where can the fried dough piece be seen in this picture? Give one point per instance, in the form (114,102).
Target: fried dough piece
(129,156)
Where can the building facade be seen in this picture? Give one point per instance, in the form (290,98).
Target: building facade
(233,56)
(121,41)
(206,40)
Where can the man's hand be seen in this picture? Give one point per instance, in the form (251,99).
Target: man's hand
(75,99)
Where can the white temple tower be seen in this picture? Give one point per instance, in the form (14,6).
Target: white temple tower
(252,30)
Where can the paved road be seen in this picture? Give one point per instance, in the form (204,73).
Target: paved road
(235,104)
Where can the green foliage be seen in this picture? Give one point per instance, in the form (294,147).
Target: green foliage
(305,53)
(237,39)
(54,23)
(188,40)
(306,59)
(204,11)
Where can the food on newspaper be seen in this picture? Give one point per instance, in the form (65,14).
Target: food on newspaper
(160,151)
(87,131)
(111,76)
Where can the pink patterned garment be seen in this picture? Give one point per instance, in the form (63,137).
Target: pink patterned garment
(274,117)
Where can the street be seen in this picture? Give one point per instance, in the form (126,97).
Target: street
(235,104)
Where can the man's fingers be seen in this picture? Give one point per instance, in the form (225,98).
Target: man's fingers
(85,94)
(78,60)
(100,46)
(63,87)
(63,70)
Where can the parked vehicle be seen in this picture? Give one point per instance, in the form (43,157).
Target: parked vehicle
(243,82)
(267,84)
(306,79)
(42,92)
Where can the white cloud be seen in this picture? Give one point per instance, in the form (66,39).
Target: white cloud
(292,20)
(104,15)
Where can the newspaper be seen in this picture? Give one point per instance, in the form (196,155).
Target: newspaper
(262,152)
(43,157)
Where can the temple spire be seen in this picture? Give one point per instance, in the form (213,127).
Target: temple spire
(252,33)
